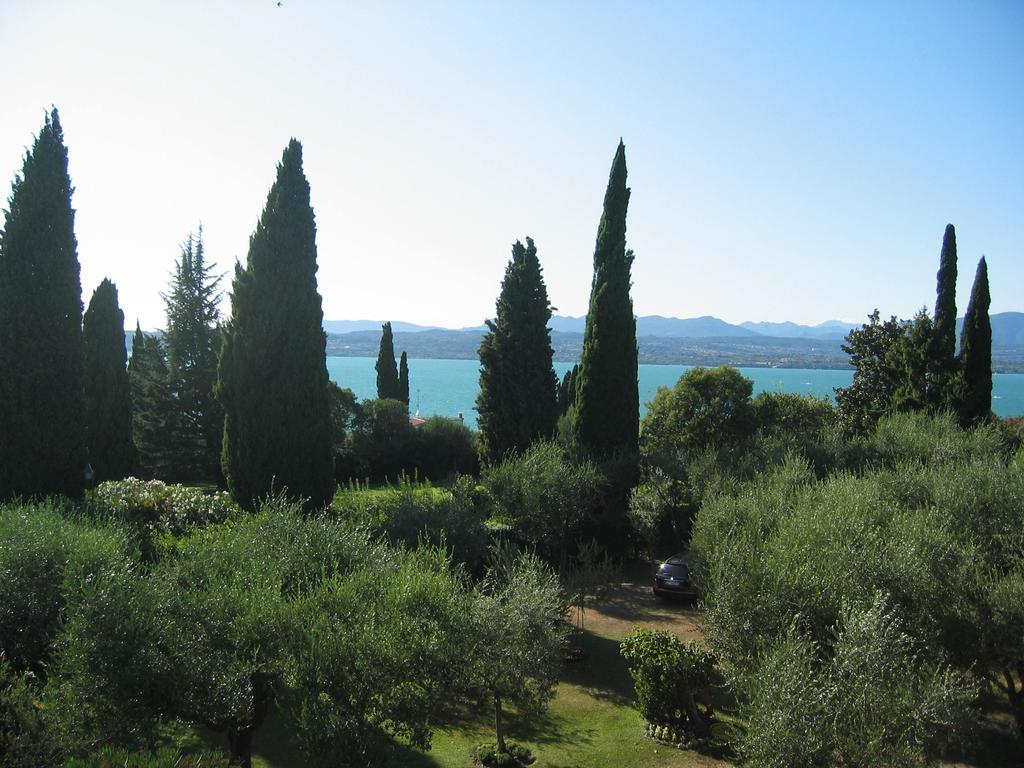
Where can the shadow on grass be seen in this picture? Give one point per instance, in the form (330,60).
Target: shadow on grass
(603,673)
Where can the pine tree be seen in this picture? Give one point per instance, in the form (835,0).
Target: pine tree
(152,406)
(273,372)
(403,379)
(518,387)
(976,352)
(108,404)
(42,414)
(192,342)
(606,419)
(942,354)
(387,371)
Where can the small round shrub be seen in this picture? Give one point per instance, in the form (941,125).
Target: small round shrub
(515,756)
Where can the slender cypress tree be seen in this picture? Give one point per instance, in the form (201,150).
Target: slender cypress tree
(517,404)
(942,376)
(607,412)
(42,418)
(976,352)
(192,341)
(387,371)
(567,390)
(152,406)
(273,372)
(403,379)
(108,403)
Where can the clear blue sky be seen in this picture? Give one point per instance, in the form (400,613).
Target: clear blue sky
(788,161)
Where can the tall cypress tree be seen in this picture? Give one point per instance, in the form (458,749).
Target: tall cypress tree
(192,341)
(606,418)
(387,371)
(42,418)
(517,400)
(976,352)
(567,390)
(273,372)
(942,375)
(403,379)
(152,406)
(108,404)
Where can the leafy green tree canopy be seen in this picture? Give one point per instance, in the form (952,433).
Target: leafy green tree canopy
(707,408)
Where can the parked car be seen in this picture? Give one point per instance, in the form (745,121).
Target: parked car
(673,578)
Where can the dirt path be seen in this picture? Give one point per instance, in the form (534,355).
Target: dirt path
(632,603)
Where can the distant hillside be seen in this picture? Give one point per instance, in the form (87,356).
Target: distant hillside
(748,350)
(1007,329)
(830,329)
(656,325)
(742,351)
(351,326)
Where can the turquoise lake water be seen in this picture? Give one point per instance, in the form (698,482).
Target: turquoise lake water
(449,387)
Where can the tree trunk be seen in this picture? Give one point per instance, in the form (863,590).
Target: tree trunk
(700,726)
(240,746)
(1016,696)
(498,732)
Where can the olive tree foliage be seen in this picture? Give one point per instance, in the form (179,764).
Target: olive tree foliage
(518,633)
(932,526)
(247,613)
(45,559)
(545,497)
(870,700)
(384,674)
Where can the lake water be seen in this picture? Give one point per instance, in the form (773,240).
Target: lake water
(449,387)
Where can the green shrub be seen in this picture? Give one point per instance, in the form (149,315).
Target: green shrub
(545,496)
(445,447)
(514,756)
(411,513)
(44,556)
(25,741)
(381,445)
(668,676)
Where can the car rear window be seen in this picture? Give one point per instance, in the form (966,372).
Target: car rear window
(678,571)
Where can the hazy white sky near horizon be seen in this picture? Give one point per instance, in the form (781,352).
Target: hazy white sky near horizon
(788,161)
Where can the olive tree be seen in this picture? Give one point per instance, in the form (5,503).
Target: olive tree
(518,632)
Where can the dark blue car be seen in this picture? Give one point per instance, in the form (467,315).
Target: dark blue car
(673,578)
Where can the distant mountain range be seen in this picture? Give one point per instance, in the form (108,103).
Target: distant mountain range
(705,341)
(670,340)
(1007,328)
